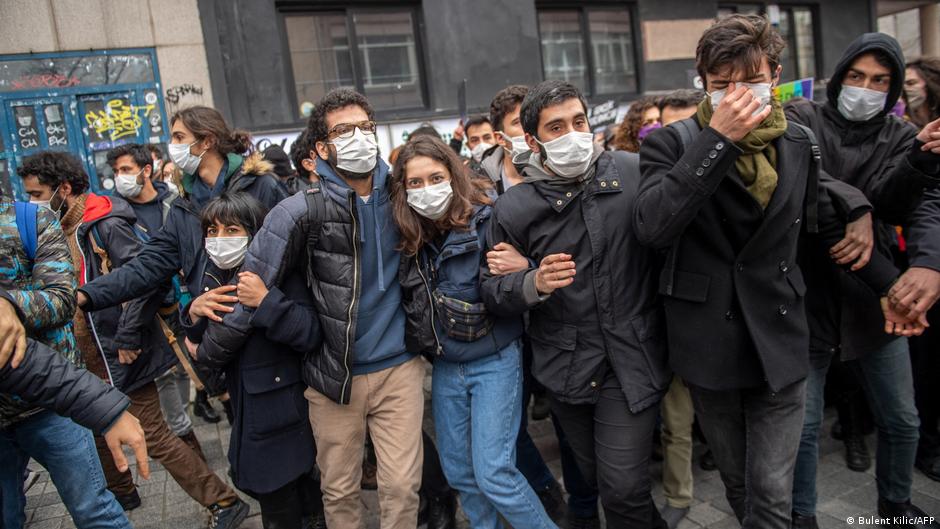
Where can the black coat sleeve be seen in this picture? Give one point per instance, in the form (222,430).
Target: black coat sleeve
(288,322)
(47,379)
(506,295)
(674,185)
(923,233)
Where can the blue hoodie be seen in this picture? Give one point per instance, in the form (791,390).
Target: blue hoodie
(380,320)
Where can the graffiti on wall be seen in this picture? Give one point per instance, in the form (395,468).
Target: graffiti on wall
(44,80)
(182,96)
(118,119)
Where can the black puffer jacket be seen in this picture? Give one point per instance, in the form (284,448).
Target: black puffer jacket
(47,379)
(179,245)
(610,318)
(881,158)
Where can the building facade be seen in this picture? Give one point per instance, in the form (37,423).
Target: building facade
(84,75)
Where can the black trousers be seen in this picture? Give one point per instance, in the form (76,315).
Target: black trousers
(286,507)
(612,446)
(925,361)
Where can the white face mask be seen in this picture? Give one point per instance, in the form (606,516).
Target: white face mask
(227,252)
(762,91)
(519,151)
(47,203)
(357,153)
(431,201)
(860,104)
(185,160)
(570,155)
(477,152)
(126,185)
(915,96)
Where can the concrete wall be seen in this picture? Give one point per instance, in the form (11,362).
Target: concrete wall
(170,26)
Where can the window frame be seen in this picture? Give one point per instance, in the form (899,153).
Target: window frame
(357,61)
(789,6)
(583,10)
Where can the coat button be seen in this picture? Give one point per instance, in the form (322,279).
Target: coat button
(615,183)
(699,171)
(453,321)
(277,379)
(740,267)
(719,146)
(568,194)
(713,155)
(729,315)
(559,203)
(603,184)
(593,383)
(706,162)
(784,267)
(782,309)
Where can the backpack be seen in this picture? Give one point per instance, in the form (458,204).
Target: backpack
(26,222)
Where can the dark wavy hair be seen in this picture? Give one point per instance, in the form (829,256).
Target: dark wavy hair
(140,154)
(234,208)
(334,100)
(53,168)
(206,122)
(504,102)
(416,230)
(738,41)
(543,95)
(626,138)
(929,70)
(299,151)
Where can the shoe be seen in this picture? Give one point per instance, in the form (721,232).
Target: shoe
(553,500)
(228,517)
(673,515)
(929,466)
(856,453)
(369,480)
(707,461)
(438,513)
(798,521)
(577,522)
(315,521)
(192,442)
(128,502)
(31,477)
(204,410)
(912,516)
(540,407)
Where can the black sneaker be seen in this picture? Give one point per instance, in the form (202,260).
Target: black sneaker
(128,502)
(799,521)
(707,461)
(857,457)
(913,515)
(228,517)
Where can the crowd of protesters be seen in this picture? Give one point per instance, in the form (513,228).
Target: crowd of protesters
(713,267)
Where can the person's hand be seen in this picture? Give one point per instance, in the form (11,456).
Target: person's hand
(505,259)
(251,289)
(210,303)
(191,348)
(733,118)
(899,324)
(556,271)
(12,336)
(127,356)
(857,245)
(915,291)
(127,431)
(82,299)
(458,132)
(930,135)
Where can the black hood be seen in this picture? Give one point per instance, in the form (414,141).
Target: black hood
(864,44)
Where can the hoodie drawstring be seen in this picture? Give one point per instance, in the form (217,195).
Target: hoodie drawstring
(378,239)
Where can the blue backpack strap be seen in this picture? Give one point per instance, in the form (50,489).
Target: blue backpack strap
(26,224)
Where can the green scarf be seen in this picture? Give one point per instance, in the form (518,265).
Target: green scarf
(757,165)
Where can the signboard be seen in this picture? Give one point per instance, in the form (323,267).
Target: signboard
(603,114)
(799,88)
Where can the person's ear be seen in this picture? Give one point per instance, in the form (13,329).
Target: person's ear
(148,172)
(532,142)
(323,150)
(776,77)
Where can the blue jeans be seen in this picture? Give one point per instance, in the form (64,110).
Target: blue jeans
(67,451)
(886,377)
(477,408)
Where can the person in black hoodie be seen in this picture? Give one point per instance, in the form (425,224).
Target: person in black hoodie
(864,145)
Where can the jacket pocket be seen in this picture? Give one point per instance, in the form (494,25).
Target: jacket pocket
(462,321)
(554,334)
(795,278)
(650,331)
(687,286)
(270,396)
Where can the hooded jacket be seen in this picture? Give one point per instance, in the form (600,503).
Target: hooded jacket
(881,158)
(109,225)
(179,246)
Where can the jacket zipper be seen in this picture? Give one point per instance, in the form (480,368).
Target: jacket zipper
(427,288)
(88,317)
(355,293)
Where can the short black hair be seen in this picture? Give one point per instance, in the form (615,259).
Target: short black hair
(156,149)
(425,130)
(300,151)
(546,94)
(139,153)
(682,98)
(504,102)
(334,100)
(53,168)
(476,121)
(234,208)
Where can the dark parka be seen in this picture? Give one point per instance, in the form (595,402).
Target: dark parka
(881,158)
(109,223)
(733,293)
(452,269)
(179,245)
(47,379)
(271,440)
(610,318)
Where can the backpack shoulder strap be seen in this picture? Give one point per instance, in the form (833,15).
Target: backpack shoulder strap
(688,129)
(316,209)
(812,183)
(26,224)
(98,247)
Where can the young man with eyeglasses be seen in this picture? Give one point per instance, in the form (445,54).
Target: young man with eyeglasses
(342,235)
